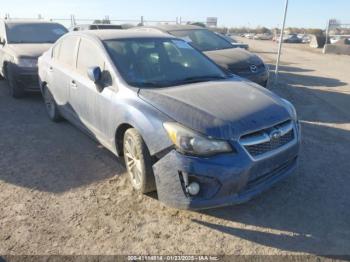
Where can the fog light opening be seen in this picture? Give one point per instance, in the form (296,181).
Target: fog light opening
(193,189)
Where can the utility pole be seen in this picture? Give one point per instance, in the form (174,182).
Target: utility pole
(280,43)
(327,32)
(72,20)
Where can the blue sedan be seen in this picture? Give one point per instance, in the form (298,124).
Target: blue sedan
(200,137)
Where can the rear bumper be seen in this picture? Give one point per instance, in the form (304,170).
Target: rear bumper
(26,78)
(226,179)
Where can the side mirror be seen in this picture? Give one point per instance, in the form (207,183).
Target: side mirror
(95,74)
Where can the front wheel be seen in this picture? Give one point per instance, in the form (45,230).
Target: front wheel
(51,106)
(138,162)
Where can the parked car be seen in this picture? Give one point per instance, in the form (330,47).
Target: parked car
(339,38)
(21,43)
(306,39)
(199,136)
(99,27)
(233,41)
(221,51)
(293,38)
(265,36)
(334,39)
(249,36)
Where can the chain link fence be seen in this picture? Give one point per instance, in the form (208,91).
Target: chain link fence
(73,20)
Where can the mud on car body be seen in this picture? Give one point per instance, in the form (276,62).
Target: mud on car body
(200,137)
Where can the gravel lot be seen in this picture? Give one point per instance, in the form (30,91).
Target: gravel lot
(61,193)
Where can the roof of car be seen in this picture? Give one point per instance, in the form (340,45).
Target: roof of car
(111,25)
(26,21)
(121,34)
(167,28)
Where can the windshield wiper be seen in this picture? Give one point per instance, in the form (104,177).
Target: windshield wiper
(150,84)
(198,79)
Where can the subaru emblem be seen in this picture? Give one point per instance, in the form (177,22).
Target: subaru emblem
(275,135)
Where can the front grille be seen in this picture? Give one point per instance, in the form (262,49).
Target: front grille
(245,69)
(270,139)
(263,148)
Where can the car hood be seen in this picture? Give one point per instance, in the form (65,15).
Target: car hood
(233,58)
(28,50)
(220,109)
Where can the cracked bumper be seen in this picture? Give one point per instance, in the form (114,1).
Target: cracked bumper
(226,179)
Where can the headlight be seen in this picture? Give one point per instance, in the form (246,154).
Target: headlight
(291,109)
(190,142)
(27,62)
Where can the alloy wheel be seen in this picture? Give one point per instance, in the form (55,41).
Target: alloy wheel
(133,162)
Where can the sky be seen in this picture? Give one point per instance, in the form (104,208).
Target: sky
(230,13)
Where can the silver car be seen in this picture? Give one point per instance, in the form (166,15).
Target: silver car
(199,136)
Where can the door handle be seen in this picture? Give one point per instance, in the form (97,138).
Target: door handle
(73,84)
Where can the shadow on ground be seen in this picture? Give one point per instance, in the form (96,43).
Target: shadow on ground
(289,73)
(285,68)
(308,212)
(51,157)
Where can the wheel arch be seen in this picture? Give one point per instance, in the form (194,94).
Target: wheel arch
(147,120)
(4,68)
(119,137)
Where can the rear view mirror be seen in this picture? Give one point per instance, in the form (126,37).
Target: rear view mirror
(95,74)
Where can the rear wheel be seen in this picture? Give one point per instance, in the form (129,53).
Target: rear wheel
(51,106)
(138,162)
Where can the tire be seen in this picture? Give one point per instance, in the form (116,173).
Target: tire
(138,162)
(15,90)
(51,105)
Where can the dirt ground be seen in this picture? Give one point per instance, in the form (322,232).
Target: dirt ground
(61,193)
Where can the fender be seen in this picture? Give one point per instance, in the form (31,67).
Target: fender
(146,119)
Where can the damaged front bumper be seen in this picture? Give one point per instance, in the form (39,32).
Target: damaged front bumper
(225,179)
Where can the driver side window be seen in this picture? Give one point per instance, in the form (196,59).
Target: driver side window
(89,55)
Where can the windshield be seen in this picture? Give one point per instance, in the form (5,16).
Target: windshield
(106,27)
(161,62)
(202,39)
(34,32)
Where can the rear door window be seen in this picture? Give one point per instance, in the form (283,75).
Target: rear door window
(67,51)
(56,51)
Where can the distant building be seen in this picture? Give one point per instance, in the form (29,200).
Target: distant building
(212,21)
